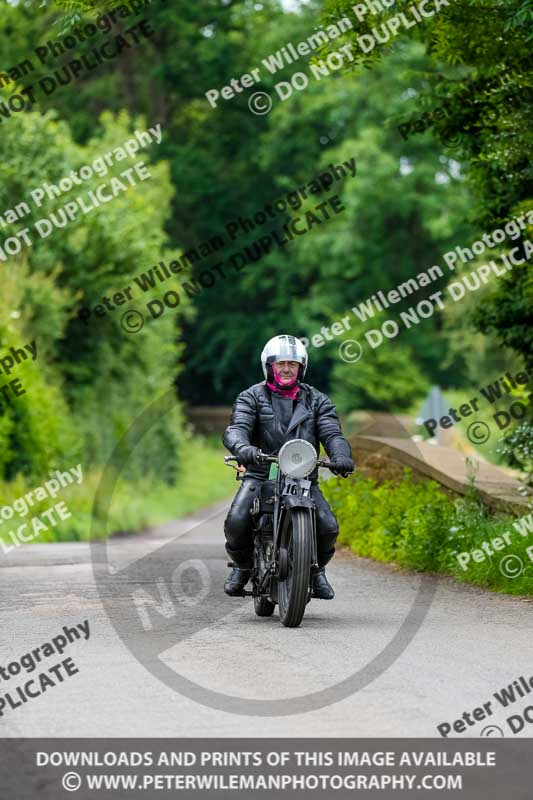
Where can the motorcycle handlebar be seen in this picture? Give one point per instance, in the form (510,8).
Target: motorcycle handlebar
(264,458)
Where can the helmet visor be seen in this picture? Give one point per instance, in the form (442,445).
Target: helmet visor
(286,350)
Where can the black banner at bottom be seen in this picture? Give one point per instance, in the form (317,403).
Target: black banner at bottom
(265,768)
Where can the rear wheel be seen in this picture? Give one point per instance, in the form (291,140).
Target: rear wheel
(263,607)
(293,590)
(263,548)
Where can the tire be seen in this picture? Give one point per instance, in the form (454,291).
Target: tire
(263,607)
(293,591)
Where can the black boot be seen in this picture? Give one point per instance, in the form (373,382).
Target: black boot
(322,589)
(236,580)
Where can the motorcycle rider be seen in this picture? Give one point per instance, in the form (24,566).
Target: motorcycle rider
(264,417)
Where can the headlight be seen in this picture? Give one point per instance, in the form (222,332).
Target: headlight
(297,458)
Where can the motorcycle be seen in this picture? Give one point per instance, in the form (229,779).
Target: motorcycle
(284,530)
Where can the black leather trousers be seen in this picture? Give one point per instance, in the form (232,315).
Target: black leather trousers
(238,525)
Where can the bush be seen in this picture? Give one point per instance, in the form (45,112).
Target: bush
(135,504)
(391,523)
(517,449)
(417,525)
(89,380)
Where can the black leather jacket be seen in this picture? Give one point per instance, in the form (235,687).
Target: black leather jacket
(264,419)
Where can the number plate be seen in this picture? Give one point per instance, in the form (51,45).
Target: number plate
(295,487)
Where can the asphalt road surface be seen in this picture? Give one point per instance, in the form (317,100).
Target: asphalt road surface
(170,655)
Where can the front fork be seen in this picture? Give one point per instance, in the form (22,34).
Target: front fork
(276,568)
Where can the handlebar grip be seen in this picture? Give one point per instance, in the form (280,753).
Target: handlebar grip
(329,465)
(265,459)
(262,457)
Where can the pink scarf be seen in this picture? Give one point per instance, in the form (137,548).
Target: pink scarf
(291,393)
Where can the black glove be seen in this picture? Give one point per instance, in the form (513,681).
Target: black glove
(342,465)
(248,455)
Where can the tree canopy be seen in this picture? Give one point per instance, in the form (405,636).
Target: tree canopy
(412,199)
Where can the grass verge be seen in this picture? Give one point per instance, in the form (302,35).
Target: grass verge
(417,525)
(203,479)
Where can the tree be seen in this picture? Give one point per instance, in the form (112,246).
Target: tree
(82,366)
(480,73)
(383,379)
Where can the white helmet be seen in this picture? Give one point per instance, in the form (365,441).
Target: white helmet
(283,348)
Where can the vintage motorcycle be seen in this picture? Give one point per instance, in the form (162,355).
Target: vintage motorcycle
(284,530)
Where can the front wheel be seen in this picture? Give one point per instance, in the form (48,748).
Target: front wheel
(293,590)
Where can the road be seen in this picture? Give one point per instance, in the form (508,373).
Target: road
(160,663)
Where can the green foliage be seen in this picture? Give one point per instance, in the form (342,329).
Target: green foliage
(82,369)
(416,525)
(36,429)
(136,503)
(406,523)
(227,163)
(467,41)
(517,449)
(385,379)
(408,204)
(508,308)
